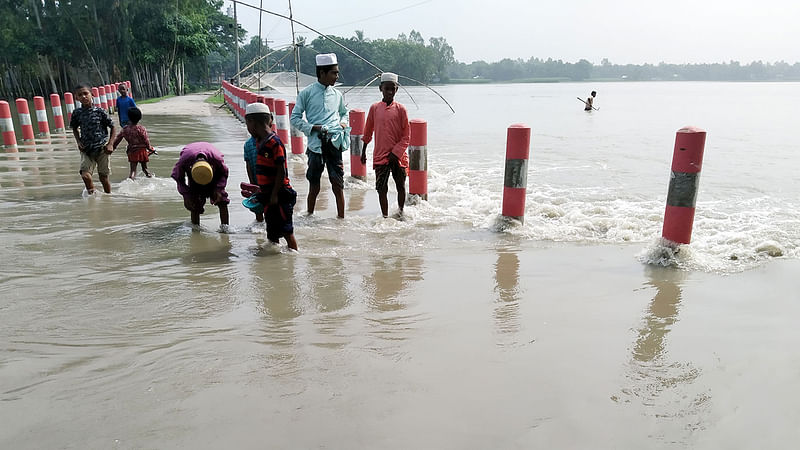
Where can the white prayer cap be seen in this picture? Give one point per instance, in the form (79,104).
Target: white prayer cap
(326,59)
(388,76)
(256,108)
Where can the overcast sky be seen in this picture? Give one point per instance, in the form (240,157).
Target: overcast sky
(624,31)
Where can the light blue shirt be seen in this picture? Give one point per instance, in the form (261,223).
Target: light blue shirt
(323,105)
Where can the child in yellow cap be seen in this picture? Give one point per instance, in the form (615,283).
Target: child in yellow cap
(201,173)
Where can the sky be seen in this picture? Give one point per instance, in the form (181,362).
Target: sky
(623,31)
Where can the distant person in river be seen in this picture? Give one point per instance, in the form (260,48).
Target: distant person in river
(389,120)
(271,175)
(94,130)
(139,148)
(124,104)
(201,174)
(590,101)
(326,126)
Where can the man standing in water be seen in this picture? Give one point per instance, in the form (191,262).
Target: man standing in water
(590,101)
(326,128)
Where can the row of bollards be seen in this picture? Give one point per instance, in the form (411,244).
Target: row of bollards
(684,178)
(687,161)
(103,97)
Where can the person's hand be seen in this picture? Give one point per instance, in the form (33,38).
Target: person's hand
(81,147)
(109,149)
(364,154)
(393,158)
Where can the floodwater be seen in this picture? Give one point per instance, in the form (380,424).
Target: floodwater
(121,326)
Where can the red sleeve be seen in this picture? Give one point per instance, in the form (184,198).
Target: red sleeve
(369,127)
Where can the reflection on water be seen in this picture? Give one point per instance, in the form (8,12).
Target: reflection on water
(659,383)
(506,275)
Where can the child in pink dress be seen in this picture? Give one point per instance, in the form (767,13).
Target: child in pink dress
(139,148)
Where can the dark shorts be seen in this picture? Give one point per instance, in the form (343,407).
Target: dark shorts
(331,157)
(195,199)
(382,176)
(279,217)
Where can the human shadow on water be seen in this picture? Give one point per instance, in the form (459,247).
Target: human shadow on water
(664,386)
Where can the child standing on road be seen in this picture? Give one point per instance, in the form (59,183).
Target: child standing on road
(271,175)
(139,147)
(90,126)
(124,103)
(389,120)
(201,173)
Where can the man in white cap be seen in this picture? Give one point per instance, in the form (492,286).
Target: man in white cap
(389,120)
(201,173)
(325,124)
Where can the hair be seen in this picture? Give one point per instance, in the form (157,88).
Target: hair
(259,118)
(80,86)
(594,93)
(134,115)
(325,69)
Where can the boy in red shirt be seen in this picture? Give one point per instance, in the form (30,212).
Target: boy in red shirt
(389,120)
(274,191)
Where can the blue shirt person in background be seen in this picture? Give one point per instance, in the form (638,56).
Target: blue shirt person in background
(124,103)
(326,127)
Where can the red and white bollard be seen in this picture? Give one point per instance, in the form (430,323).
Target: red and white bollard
(282,121)
(58,115)
(298,138)
(357,122)
(103,98)
(113,87)
(687,161)
(25,119)
(41,116)
(418,159)
(95,97)
(69,104)
(7,125)
(515,181)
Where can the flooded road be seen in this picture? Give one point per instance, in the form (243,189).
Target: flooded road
(121,326)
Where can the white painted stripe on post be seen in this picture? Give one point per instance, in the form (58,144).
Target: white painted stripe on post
(7,124)
(25,119)
(41,115)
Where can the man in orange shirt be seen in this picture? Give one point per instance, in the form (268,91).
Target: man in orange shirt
(389,120)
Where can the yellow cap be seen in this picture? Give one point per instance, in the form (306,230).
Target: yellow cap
(202,173)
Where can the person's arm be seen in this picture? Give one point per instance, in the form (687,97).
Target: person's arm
(75,124)
(401,146)
(344,118)
(179,175)
(222,181)
(113,134)
(280,172)
(368,130)
(146,138)
(118,138)
(297,119)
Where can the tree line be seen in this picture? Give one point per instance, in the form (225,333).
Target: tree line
(174,46)
(50,45)
(536,69)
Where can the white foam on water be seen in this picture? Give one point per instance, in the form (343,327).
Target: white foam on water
(144,187)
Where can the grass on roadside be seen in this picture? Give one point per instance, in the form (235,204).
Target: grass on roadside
(215,99)
(154,100)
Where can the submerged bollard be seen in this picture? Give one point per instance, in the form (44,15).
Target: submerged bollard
(357,123)
(684,179)
(7,125)
(515,181)
(69,103)
(41,116)
(298,142)
(58,115)
(282,120)
(418,159)
(25,119)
